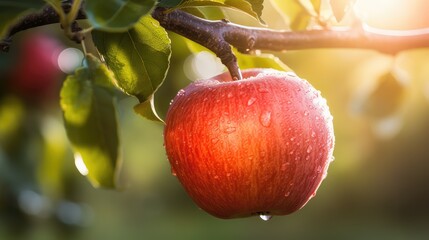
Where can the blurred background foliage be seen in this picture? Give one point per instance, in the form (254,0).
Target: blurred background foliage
(377,188)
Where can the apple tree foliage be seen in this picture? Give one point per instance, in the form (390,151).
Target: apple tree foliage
(134,58)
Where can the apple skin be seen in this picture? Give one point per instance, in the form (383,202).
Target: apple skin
(257,146)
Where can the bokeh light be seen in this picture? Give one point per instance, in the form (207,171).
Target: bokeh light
(69,59)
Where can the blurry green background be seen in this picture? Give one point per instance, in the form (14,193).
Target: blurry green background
(377,187)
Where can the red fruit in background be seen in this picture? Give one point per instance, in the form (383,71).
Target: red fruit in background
(36,75)
(257,146)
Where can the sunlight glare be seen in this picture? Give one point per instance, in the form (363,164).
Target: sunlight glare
(80,165)
(392,14)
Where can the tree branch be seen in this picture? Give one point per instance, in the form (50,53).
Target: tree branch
(219,36)
(46,16)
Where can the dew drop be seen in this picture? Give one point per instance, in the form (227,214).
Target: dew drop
(287,194)
(173,171)
(307,158)
(292,139)
(309,149)
(291,74)
(265,217)
(265,119)
(262,90)
(216,177)
(181,92)
(306,113)
(230,130)
(251,101)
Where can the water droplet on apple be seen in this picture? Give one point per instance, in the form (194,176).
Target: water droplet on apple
(309,149)
(230,95)
(251,101)
(307,158)
(292,139)
(205,99)
(291,74)
(216,177)
(262,90)
(265,217)
(287,194)
(291,152)
(306,113)
(265,119)
(181,92)
(332,159)
(173,171)
(230,130)
(313,134)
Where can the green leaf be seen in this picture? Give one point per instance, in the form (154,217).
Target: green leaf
(56,4)
(251,7)
(116,15)
(90,120)
(169,3)
(139,57)
(11,11)
(246,61)
(298,15)
(147,110)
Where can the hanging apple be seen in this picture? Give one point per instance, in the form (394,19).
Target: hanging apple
(257,146)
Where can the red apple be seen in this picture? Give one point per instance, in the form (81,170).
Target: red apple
(257,146)
(36,77)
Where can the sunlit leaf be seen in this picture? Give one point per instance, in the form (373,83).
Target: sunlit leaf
(147,109)
(51,171)
(116,15)
(12,114)
(298,15)
(340,8)
(385,98)
(316,5)
(90,120)
(139,57)
(253,8)
(246,61)
(11,11)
